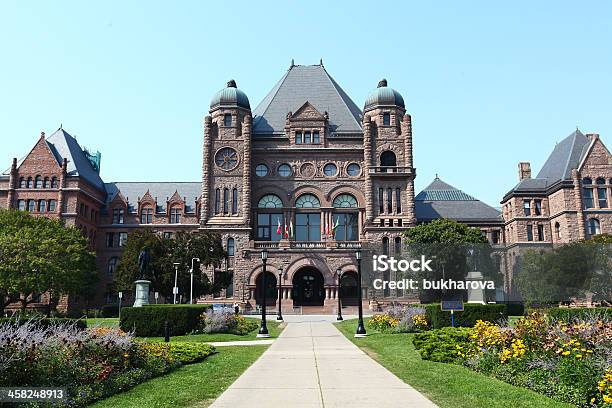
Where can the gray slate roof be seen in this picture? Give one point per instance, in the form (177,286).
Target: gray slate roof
(441,200)
(132,191)
(565,157)
(304,83)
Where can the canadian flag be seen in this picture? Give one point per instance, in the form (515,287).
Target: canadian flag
(278,230)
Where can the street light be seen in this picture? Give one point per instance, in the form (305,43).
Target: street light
(263,330)
(191,292)
(175,288)
(361,331)
(339,276)
(120,297)
(279,316)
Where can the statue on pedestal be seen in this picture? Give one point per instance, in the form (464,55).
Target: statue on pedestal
(142,285)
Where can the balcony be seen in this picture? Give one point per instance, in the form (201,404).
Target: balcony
(390,170)
(318,245)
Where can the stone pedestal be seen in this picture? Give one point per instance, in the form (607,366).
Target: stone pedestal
(475,295)
(142,293)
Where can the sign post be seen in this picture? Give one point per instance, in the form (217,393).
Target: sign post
(452,306)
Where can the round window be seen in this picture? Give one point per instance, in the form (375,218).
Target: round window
(284,170)
(261,170)
(353,169)
(330,169)
(226,158)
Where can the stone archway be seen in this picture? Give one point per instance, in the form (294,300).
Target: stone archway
(308,287)
(349,293)
(271,292)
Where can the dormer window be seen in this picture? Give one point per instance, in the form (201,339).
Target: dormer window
(146,216)
(175,215)
(307,137)
(118,215)
(227,119)
(386,119)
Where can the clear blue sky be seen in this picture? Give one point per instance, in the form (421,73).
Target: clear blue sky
(488,83)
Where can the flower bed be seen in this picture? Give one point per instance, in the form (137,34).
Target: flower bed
(225,321)
(400,320)
(91,364)
(568,361)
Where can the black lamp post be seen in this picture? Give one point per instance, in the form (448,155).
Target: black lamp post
(279,316)
(339,276)
(361,331)
(263,330)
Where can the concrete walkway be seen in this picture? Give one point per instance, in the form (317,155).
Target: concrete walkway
(241,343)
(312,365)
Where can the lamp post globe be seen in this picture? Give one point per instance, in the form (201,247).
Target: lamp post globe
(263,329)
(361,331)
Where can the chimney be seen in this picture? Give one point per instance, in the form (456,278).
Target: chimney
(592,136)
(524,171)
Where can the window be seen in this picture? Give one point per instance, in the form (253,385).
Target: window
(495,236)
(307,139)
(390,200)
(118,215)
(217,201)
(267,227)
(39,182)
(31,205)
(30,182)
(398,200)
(594,227)
(230,247)
(54,183)
(308,226)
(225,201)
(345,201)
(353,169)
(527,208)
(226,158)
(307,201)
(386,119)
(112,266)
(530,233)
(21,205)
(52,205)
(42,205)
(385,246)
(123,238)
(146,215)
(557,230)
(540,232)
(298,138)
(22,182)
(175,215)
(587,193)
(110,239)
(227,119)
(538,207)
(348,227)
(167,235)
(315,137)
(261,170)
(387,159)
(381,200)
(46,183)
(398,246)
(270,201)
(284,170)
(234,201)
(330,169)
(601,193)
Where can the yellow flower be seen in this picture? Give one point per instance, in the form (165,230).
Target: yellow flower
(566,353)
(578,356)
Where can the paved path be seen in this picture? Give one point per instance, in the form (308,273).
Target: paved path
(241,343)
(313,365)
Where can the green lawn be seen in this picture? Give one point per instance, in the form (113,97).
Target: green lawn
(102,322)
(448,385)
(195,385)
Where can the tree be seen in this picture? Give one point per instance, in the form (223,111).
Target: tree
(39,254)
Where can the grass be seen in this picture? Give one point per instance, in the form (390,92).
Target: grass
(102,322)
(447,385)
(195,385)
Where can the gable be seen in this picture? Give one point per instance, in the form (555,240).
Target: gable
(40,160)
(597,156)
(307,112)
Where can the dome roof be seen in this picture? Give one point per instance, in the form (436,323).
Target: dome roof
(383,96)
(230,97)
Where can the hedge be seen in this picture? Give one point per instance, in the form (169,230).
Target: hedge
(47,321)
(148,321)
(569,314)
(473,312)
(110,311)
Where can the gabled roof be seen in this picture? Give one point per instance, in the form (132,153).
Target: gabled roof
(304,83)
(163,191)
(441,200)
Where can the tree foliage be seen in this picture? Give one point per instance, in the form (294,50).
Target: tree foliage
(39,254)
(444,231)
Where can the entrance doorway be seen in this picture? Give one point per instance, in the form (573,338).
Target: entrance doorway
(308,287)
(349,293)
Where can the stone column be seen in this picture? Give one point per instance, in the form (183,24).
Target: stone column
(204,200)
(12,184)
(62,185)
(578,204)
(367,160)
(407,130)
(246,170)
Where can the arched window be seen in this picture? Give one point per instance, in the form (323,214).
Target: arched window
(112,266)
(46,183)
(587,192)
(398,200)
(557,230)
(270,201)
(42,206)
(385,245)
(594,227)
(22,182)
(307,201)
(345,201)
(31,205)
(234,201)
(389,200)
(387,159)
(54,183)
(226,201)
(30,182)
(398,246)
(602,199)
(230,247)
(38,182)
(217,201)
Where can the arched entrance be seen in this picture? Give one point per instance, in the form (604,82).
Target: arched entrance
(308,287)
(349,293)
(271,292)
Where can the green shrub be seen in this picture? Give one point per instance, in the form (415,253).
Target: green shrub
(441,345)
(225,321)
(46,322)
(569,314)
(110,311)
(148,321)
(188,353)
(515,309)
(473,312)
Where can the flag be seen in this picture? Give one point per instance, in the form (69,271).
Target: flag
(327,231)
(291,228)
(278,230)
(286,230)
(335,226)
